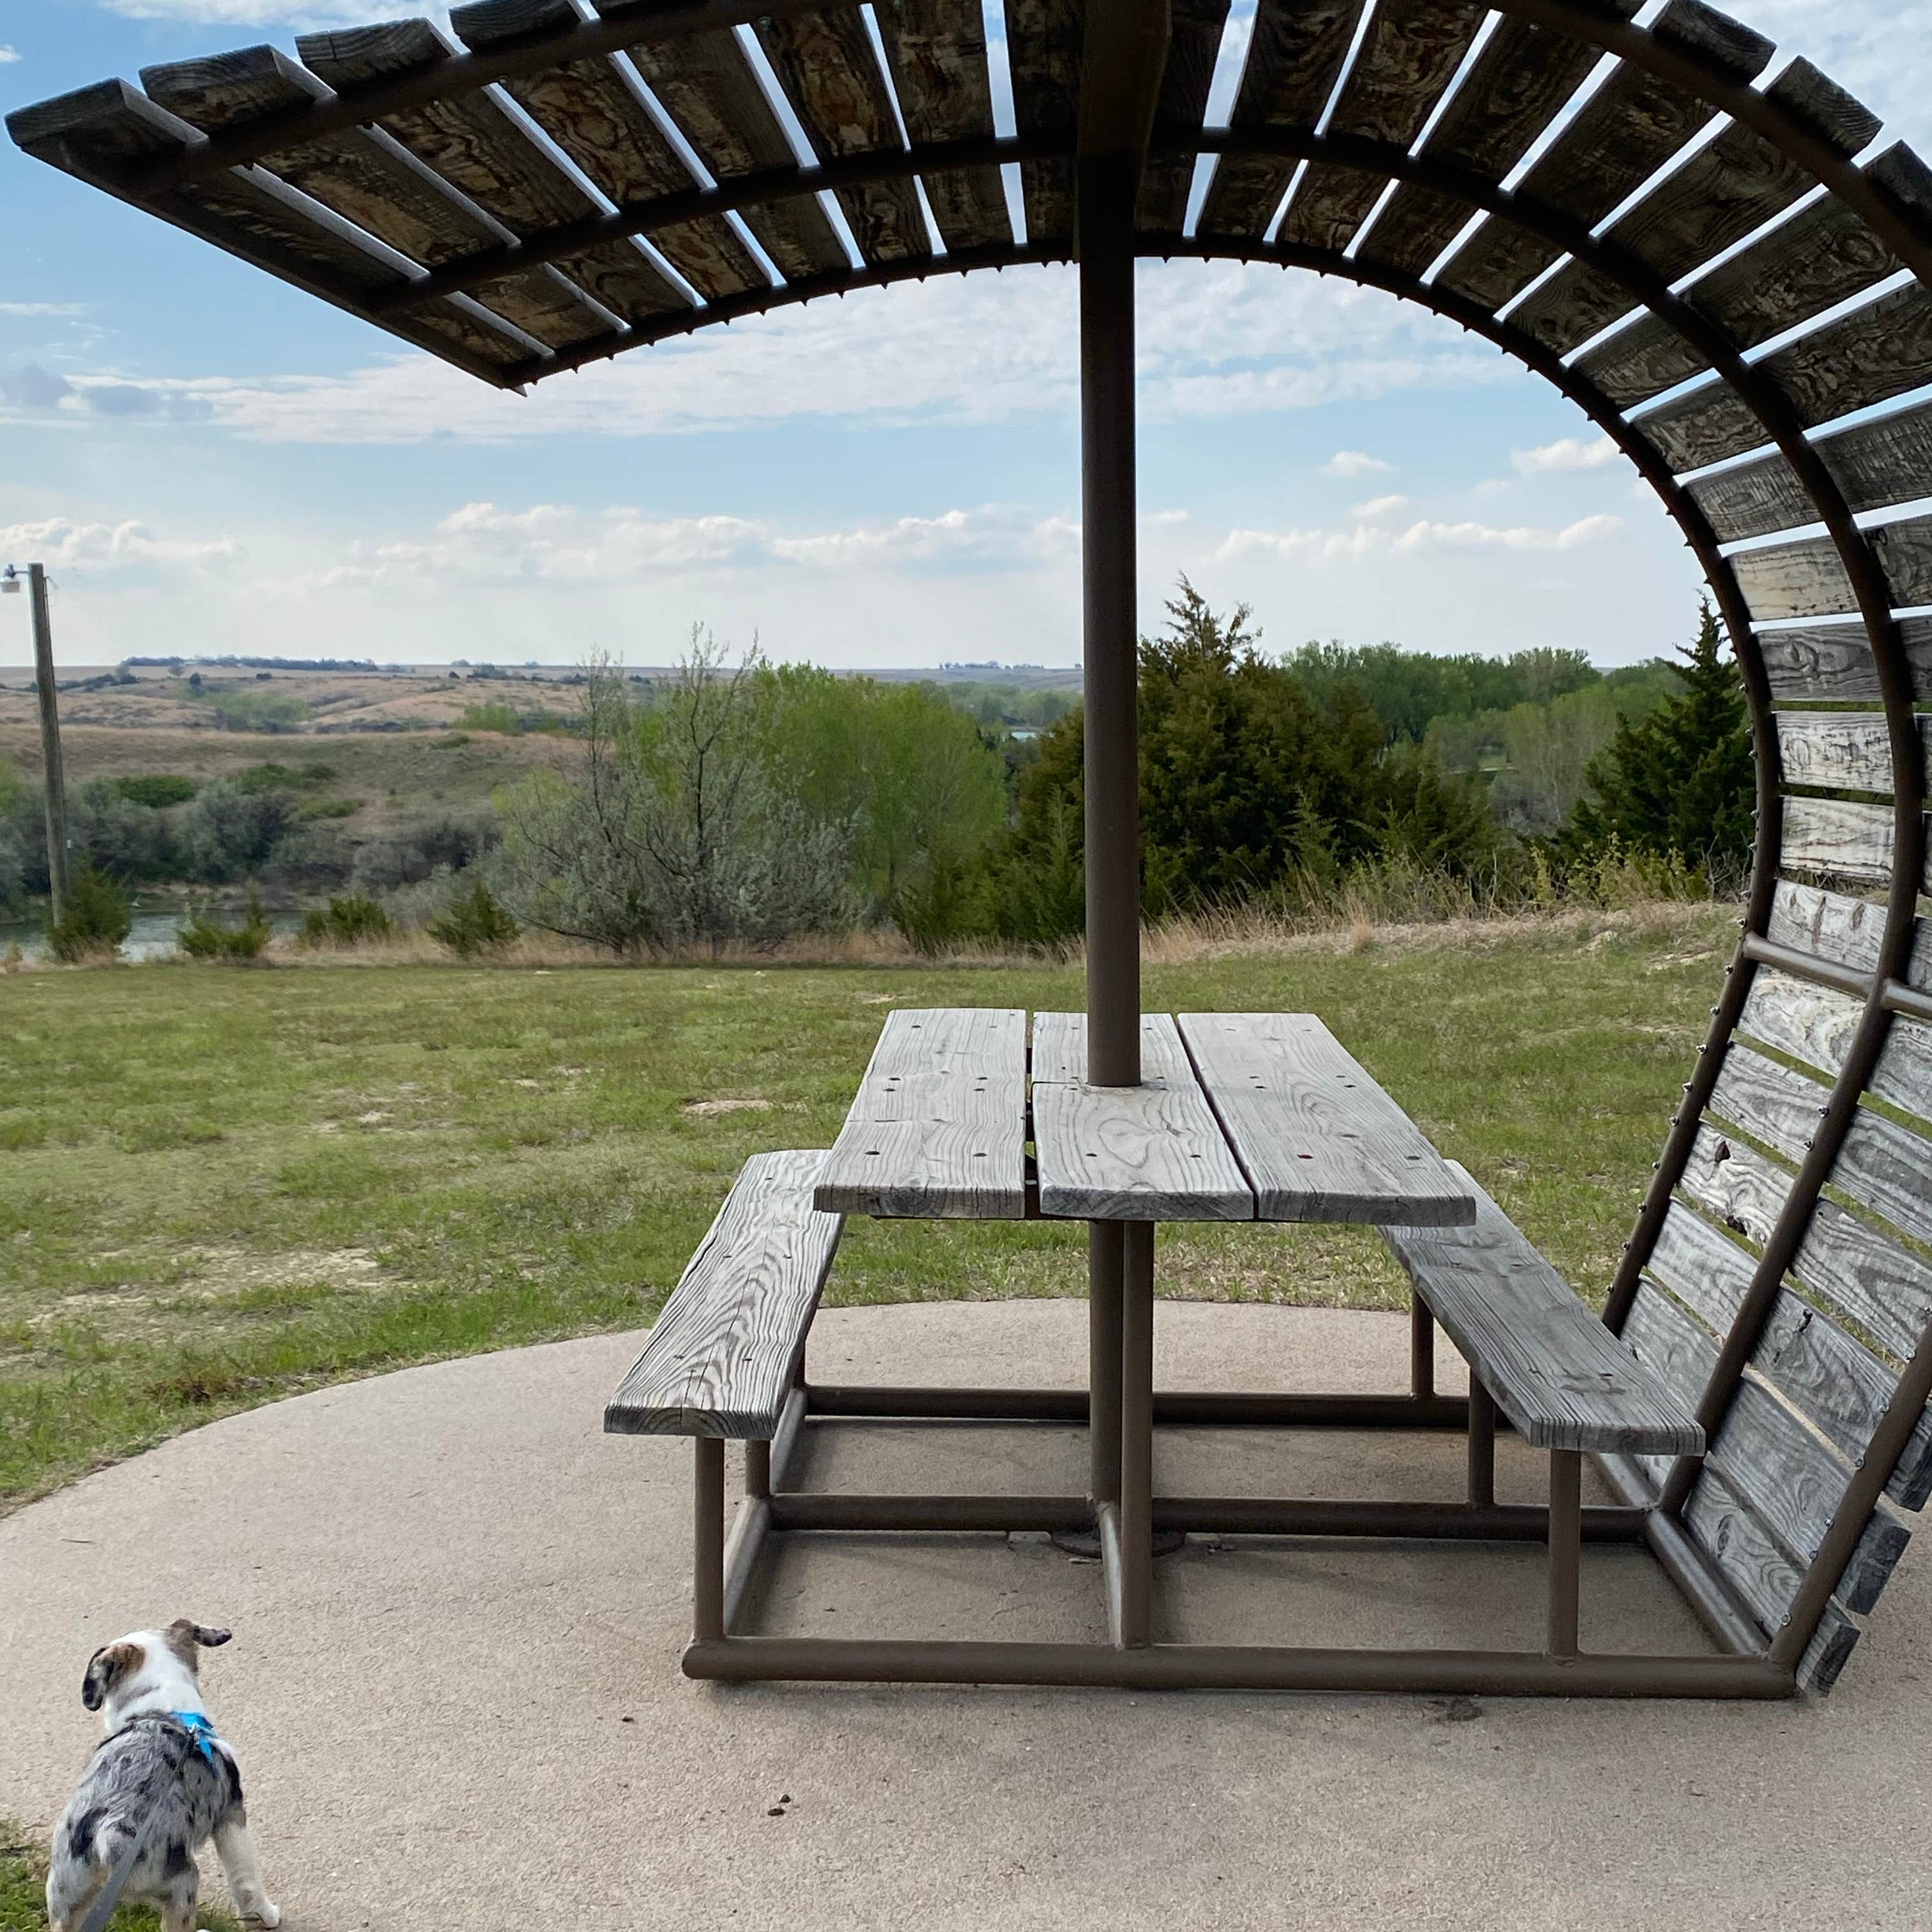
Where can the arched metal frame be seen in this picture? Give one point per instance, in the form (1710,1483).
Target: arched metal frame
(1884,991)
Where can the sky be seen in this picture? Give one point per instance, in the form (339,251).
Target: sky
(208,461)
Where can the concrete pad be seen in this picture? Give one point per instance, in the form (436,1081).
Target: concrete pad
(453,1687)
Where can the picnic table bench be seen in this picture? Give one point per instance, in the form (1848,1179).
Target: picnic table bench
(1238,1116)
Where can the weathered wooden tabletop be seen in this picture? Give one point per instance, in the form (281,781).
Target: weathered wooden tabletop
(1238,1116)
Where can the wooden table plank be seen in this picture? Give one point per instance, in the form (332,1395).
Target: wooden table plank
(1151,1153)
(1318,1140)
(938,1129)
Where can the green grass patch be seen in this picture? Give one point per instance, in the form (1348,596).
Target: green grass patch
(220,1189)
(23,1878)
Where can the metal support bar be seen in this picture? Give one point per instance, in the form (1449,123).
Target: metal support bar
(785,1437)
(1433,1522)
(1421,1347)
(757,1468)
(802,1509)
(1107,1522)
(1566,1548)
(1807,966)
(1232,1667)
(1105,1259)
(743,1550)
(1482,1446)
(707,1545)
(1137,1434)
(1172,1407)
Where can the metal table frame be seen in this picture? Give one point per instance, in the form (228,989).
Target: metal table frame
(1122,1413)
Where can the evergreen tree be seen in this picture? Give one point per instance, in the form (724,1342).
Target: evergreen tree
(1681,779)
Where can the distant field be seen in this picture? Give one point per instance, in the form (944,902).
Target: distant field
(218,1187)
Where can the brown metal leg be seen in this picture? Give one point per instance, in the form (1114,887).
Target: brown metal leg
(1421,1347)
(1137,1435)
(1105,1250)
(1482,1446)
(757,1468)
(1566,1548)
(707,1545)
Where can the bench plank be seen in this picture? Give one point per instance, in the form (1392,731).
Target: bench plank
(1151,1153)
(1318,1139)
(1561,1377)
(938,1129)
(722,1359)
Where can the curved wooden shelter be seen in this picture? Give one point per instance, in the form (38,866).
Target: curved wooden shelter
(1712,256)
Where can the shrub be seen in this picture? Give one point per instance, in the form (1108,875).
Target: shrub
(111,832)
(204,937)
(348,922)
(250,710)
(228,831)
(413,852)
(271,776)
(473,922)
(329,807)
(97,919)
(157,790)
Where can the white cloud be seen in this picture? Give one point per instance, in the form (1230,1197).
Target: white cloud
(1567,453)
(1363,539)
(62,544)
(1216,341)
(1356,462)
(1378,507)
(8,56)
(24,308)
(245,13)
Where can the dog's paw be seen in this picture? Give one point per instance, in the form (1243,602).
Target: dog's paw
(264,1915)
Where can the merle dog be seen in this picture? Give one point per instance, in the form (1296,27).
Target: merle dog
(160,1786)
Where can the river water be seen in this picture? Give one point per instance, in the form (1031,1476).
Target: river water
(151,934)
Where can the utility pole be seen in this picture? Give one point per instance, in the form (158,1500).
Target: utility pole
(53,772)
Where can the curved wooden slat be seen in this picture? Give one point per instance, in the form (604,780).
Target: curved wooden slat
(936,53)
(1842,840)
(1525,74)
(1043,48)
(1409,55)
(1726,190)
(1835,661)
(831,74)
(1626,130)
(1295,53)
(704,83)
(1844,931)
(1837,751)
(596,117)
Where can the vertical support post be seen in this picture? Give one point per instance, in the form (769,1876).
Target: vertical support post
(1482,1446)
(52,769)
(1566,1549)
(1105,1252)
(1422,1348)
(707,1541)
(757,1468)
(1107,187)
(1137,1435)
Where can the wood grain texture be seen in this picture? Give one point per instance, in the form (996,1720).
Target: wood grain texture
(938,1129)
(704,83)
(825,63)
(1318,1139)
(1771,1102)
(1846,931)
(1151,1153)
(1838,1384)
(1806,578)
(1860,359)
(591,110)
(936,54)
(1794,1482)
(1809,1022)
(1185,82)
(1882,1287)
(1044,41)
(1875,465)
(1839,839)
(1835,661)
(1408,56)
(723,1354)
(1295,53)
(1561,1377)
(1904,1075)
(1728,189)
(1525,74)
(1841,751)
(1624,133)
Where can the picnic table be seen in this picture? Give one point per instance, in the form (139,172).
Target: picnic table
(1256,1117)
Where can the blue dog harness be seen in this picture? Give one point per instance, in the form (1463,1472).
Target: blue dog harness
(201,1733)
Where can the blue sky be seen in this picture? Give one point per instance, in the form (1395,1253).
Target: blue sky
(207,460)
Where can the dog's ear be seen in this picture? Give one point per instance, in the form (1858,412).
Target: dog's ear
(106,1668)
(184,1634)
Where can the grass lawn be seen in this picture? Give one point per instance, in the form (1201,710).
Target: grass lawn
(23,1877)
(221,1186)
